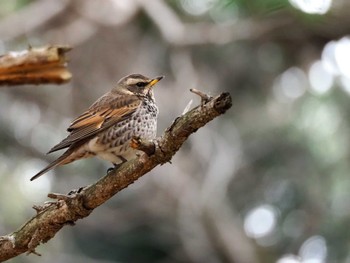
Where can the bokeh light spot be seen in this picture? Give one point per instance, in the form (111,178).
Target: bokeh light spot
(25,172)
(328,57)
(314,250)
(319,7)
(290,85)
(342,56)
(197,7)
(289,259)
(260,221)
(320,78)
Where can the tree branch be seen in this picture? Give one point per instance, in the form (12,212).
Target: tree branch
(52,216)
(35,66)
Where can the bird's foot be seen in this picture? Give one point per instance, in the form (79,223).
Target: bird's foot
(115,167)
(146,146)
(111,169)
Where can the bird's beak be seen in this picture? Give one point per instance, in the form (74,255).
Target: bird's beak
(155,80)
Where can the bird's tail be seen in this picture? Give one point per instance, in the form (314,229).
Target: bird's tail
(63,159)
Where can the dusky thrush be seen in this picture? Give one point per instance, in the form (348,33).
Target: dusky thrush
(107,127)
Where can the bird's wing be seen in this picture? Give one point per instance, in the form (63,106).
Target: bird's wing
(107,111)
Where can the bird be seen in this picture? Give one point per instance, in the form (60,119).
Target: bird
(105,130)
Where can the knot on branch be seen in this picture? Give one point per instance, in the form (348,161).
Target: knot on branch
(223,102)
(75,203)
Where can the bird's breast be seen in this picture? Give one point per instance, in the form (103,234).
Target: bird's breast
(115,141)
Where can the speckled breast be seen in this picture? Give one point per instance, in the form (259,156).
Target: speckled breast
(115,141)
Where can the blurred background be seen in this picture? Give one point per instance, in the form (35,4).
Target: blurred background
(266,182)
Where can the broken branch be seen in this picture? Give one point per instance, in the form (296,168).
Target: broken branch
(35,66)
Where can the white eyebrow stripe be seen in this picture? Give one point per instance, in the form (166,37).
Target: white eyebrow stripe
(132,81)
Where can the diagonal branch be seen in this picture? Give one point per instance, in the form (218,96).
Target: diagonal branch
(51,217)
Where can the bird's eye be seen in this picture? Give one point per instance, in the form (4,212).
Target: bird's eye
(140,84)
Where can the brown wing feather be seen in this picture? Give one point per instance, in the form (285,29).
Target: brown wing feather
(107,111)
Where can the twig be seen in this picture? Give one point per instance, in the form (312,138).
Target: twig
(204,97)
(67,210)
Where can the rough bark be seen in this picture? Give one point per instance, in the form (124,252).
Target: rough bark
(67,209)
(35,66)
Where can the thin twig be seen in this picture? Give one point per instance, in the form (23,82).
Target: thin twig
(204,97)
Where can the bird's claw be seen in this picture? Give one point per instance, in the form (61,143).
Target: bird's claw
(111,169)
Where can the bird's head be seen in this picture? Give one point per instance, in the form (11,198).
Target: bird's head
(137,84)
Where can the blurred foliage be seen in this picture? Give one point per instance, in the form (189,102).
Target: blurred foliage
(266,182)
(8,7)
